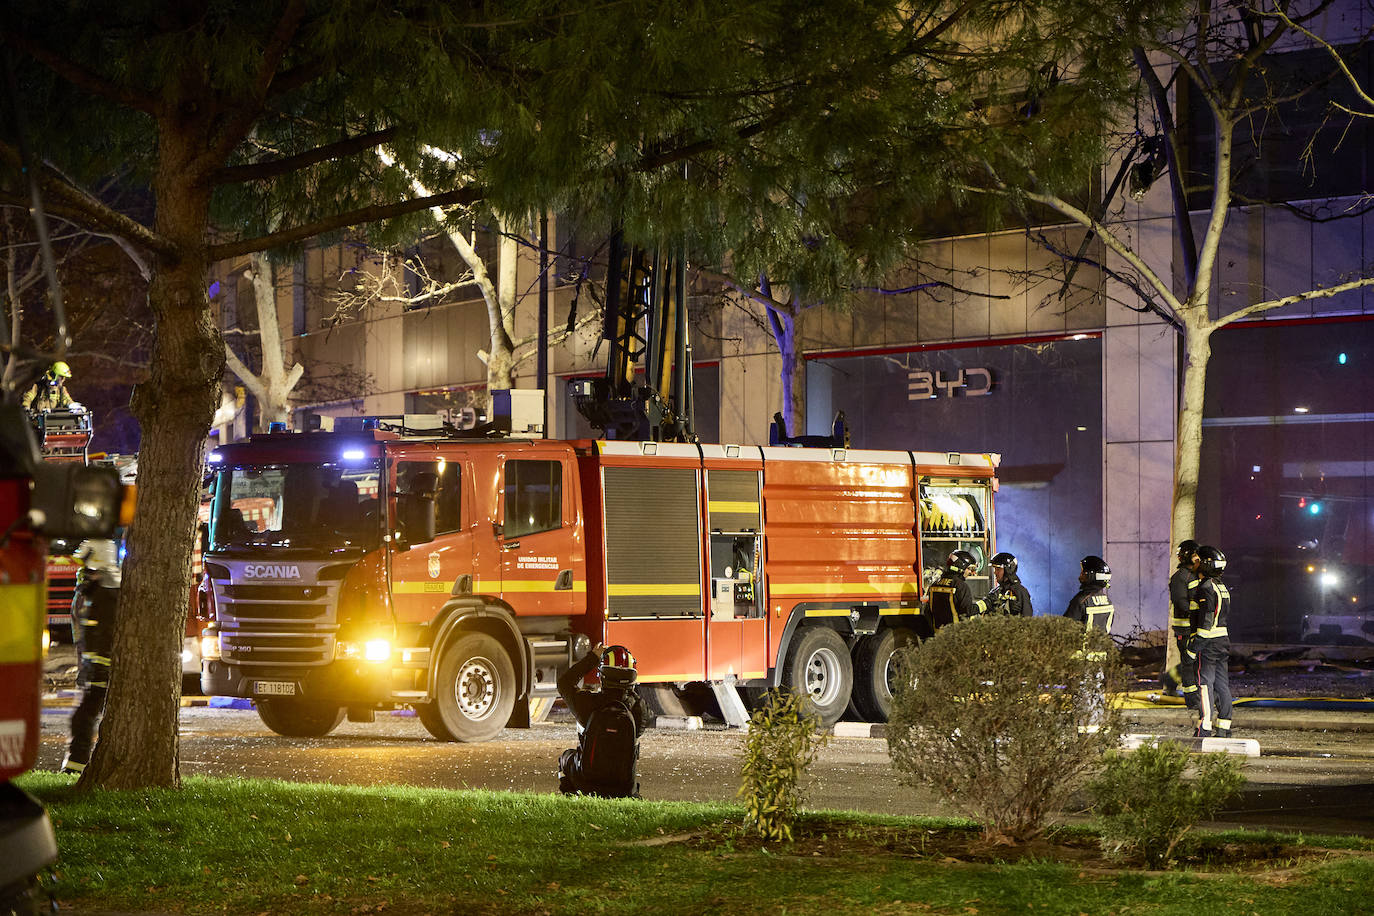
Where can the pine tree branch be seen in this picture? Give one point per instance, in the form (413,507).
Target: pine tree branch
(343,220)
(78,75)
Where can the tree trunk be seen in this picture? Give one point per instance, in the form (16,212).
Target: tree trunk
(793,375)
(138,739)
(1197,350)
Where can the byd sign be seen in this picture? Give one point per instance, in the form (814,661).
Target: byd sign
(971,383)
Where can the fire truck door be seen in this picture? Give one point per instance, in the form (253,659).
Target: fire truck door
(537,545)
(737,635)
(424,576)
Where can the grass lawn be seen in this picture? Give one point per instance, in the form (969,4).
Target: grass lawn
(254,846)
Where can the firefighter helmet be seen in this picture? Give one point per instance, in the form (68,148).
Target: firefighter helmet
(617,668)
(1186,549)
(59,370)
(1213,561)
(1095,569)
(961,561)
(1005,560)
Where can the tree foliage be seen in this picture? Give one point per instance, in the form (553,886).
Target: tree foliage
(1004,715)
(803,138)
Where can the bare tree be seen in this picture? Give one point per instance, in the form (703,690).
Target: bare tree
(1220,59)
(273,386)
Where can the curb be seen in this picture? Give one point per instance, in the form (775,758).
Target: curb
(1240,747)
(686,723)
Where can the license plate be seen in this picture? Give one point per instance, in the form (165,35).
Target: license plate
(275,688)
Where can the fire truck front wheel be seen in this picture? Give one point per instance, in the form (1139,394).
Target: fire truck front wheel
(474,690)
(299,718)
(819,667)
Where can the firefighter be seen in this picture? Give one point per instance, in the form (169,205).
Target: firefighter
(1182,588)
(1008,596)
(93,629)
(949,600)
(609,723)
(1092,607)
(1212,644)
(50,391)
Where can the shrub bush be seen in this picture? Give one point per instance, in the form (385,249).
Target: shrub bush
(1146,806)
(1004,715)
(779,746)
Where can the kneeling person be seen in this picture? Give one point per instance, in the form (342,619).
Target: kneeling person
(609,723)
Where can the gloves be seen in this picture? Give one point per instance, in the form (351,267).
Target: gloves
(1190,647)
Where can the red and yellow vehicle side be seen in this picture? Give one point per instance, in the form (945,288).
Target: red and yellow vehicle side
(356,571)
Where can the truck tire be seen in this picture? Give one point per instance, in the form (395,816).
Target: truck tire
(873,676)
(819,667)
(474,690)
(295,718)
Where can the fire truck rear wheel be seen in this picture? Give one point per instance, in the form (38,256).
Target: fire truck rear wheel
(474,690)
(873,676)
(819,667)
(299,718)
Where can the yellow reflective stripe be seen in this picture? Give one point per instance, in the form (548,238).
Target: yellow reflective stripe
(96,659)
(828,612)
(440,587)
(1211,633)
(724,505)
(651,589)
(1180,622)
(890,611)
(23,614)
(539,585)
(846,588)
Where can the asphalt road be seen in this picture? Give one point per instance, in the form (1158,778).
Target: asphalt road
(1315,775)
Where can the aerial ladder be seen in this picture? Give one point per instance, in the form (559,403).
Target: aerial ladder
(645,320)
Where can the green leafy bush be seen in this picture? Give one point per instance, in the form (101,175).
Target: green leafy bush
(779,746)
(1146,806)
(1003,716)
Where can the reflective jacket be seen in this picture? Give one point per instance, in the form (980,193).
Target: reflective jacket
(1092,608)
(1182,585)
(1213,606)
(950,600)
(1009,597)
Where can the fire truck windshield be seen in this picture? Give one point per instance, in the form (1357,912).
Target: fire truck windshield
(296,505)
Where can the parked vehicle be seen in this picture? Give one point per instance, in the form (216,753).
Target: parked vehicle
(360,570)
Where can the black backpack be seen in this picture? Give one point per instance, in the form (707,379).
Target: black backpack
(609,751)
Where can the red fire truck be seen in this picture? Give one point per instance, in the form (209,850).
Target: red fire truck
(362,570)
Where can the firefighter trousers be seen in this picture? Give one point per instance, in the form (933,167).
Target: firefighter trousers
(1187,673)
(1214,682)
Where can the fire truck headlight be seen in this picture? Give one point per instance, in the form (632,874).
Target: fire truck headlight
(1330,580)
(186,655)
(209,646)
(373,650)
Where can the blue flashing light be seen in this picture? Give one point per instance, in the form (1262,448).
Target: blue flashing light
(1315,508)
(215,458)
(276,426)
(1341,359)
(353,454)
(370,423)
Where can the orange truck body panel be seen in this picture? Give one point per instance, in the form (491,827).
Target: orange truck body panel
(702,560)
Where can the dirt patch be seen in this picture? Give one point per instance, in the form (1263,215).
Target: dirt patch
(821,838)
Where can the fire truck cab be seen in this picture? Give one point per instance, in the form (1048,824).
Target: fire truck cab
(360,570)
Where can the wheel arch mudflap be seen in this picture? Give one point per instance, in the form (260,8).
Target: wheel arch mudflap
(476,616)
